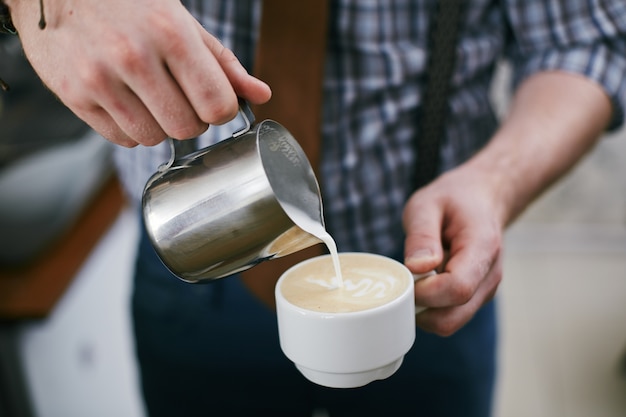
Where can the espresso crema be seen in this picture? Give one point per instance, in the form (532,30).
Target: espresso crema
(368,281)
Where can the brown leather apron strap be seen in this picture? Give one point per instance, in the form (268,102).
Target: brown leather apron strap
(290,58)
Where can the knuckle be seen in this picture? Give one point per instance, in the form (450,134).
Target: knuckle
(187,131)
(93,77)
(495,242)
(130,57)
(222,112)
(162,22)
(123,141)
(117,136)
(147,134)
(225,55)
(494,238)
(462,292)
(446,327)
(168,28)
(152,140)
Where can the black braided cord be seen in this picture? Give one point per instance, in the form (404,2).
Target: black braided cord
(443,39)
(6,24)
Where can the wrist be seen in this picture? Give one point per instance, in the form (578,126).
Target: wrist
(502,179)
(555,119)
(487,180)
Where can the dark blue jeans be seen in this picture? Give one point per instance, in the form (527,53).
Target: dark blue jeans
(212,350)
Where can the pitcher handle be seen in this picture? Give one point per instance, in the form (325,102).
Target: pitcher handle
(181,148)
(248,117)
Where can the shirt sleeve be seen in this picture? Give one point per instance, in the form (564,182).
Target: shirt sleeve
(584,37)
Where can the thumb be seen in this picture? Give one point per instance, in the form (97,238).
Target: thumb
(423,250)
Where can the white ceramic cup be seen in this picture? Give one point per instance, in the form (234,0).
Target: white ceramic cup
(353,348)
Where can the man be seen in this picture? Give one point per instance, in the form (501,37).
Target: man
(144,70)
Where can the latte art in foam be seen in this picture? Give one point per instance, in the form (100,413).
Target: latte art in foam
(364,284)
(367,283)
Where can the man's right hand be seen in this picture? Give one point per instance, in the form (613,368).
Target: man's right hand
(136,71)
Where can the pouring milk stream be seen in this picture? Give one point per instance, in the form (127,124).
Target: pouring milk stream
(317,229)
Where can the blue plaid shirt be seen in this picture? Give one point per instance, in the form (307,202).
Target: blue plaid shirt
(374,82)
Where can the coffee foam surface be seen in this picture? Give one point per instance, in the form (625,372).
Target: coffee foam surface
(368,282)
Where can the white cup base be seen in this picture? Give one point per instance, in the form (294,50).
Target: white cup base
(350,380)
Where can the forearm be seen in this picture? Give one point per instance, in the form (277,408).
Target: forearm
(555,118)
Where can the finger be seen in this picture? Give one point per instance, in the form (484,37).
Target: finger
(105,90)
(473,252)
(100,121)
(448,320)
(132,117)
(151,105)
(423,249)
(202,79)
(245,85)
(164,100)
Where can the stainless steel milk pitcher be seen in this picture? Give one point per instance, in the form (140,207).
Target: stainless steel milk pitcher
(225,208)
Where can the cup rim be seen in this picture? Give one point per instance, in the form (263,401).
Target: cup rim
(279,297)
